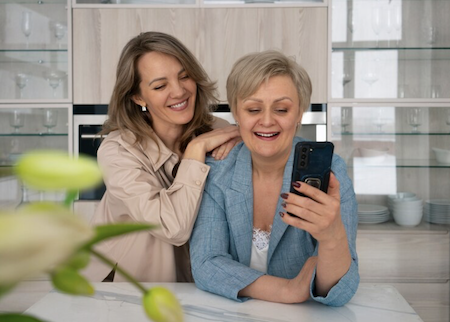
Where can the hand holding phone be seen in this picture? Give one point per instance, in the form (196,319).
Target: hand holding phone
(312,164)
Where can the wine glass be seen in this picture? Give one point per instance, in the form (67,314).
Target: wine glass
(389,24)
(345,119)
(380,120)
(351,17)
(21,82)
(414,118)
(448,117)
(60,31)
(376,22)
(370,78)
(50,119)
(397,21)
(26,24)
(53,78)
(16,120)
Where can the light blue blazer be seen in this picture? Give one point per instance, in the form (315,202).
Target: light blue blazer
(221,241)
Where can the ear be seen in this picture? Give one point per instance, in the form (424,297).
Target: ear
(138,100)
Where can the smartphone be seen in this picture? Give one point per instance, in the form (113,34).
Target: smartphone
(312,164)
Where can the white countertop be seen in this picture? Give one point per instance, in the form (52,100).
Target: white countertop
(122,302)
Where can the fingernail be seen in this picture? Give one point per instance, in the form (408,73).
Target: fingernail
(283,204)
(284,195)
(281,214)
(296,184)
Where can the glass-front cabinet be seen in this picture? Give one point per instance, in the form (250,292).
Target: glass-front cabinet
(35,38)
(196,3)
(30,127)
(390,49)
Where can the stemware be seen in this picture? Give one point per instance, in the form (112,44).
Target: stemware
(60,31)
(376,22)
(345,119)
(50,119)
(414,116)
(26,25)
(379,120)
(351,17)
(21,82)
(370,78)
(397,19)
(54,78)
(448,117)
(389,24)
(16,120)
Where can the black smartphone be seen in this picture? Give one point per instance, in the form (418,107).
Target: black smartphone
(312,164)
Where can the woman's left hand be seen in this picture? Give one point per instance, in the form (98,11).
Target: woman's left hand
(319,215)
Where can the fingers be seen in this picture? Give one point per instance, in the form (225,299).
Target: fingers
(333,187)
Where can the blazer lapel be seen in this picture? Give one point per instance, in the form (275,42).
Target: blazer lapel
(239,203)
(278,226)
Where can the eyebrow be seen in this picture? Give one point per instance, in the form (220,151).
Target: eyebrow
(164,78)
(260,101)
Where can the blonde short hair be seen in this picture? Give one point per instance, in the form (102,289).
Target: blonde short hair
(250,71)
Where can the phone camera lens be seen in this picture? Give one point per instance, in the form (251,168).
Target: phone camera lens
(303,156)
(304,149)
(302,163)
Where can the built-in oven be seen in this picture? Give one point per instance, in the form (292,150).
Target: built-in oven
(88,121)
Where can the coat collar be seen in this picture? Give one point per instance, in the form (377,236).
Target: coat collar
(155,156)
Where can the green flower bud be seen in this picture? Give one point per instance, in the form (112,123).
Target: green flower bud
(56,170)
(162,306)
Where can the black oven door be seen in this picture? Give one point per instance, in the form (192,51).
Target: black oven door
(88,143)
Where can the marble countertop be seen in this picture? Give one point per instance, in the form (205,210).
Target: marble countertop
(122,302)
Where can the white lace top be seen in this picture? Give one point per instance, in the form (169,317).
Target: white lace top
(260,248)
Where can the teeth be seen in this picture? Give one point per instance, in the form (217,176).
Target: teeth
(266,135)
(178,105)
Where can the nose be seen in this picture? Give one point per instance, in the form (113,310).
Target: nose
(266,118)
(178,90)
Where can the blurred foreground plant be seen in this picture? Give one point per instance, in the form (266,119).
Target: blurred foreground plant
(44,237)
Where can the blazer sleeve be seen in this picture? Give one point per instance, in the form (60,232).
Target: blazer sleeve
(137,194)
(213,268)
(344,290)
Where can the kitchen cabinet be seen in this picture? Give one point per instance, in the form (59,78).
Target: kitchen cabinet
(216,36)
(388,114)
(397,49)
(25,127)
(194,3)
(35,41)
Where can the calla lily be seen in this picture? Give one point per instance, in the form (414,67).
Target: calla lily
(162,306)
(56,170)
(38,238)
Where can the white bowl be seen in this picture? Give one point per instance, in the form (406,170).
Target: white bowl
(408,218)
(371,153)
(402,196)
(442,156)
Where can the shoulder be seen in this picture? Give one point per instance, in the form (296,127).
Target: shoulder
(222,171)
(219,122)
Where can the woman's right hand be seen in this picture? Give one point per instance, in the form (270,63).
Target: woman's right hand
(224,139)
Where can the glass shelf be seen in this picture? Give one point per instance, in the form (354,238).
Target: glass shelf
(359,162)
(31,134)
(39,2)
(389,134)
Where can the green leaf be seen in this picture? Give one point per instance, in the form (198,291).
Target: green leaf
(103,232)
(16,317)
(56,170)
(69,281)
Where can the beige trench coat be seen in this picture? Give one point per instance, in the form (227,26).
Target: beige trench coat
(141,188)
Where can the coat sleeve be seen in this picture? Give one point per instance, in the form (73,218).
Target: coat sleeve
(213,268)
(136,194)
(344,290)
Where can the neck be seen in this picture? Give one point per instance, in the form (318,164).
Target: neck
(170,136)
(269,169)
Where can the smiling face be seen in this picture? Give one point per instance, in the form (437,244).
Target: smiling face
(166,90)
(268,119)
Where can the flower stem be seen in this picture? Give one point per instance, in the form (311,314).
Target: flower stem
(70,197)
(124,273)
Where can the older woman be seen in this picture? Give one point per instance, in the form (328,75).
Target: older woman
(244,243)
(159,130)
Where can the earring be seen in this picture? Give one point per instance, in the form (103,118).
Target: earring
(237,123)
(143,108)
